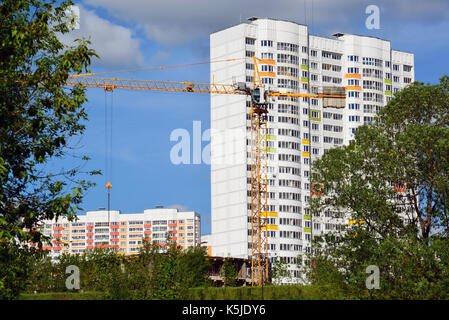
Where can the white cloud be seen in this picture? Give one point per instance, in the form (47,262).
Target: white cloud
(178,21)
(115,44)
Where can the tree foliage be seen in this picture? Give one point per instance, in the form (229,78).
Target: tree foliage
(279,270)
(152,274)
(229,273)
(392,182)
(38,117)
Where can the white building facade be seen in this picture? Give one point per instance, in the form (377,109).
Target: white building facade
(123,232)
(299,129)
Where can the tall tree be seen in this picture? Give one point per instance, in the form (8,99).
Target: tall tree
(392,183)
(38,117)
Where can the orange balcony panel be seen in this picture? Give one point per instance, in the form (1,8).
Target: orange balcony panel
(46,248)
(57,248)
(267,74)
(115,240)
(357,88)
(172,224)
(90,227)
(267,61)
(114,233)
(90,240)
(353,75)
(89,234)
(89,247)
(115,227)
(147,232)
(147,225)
(57,235)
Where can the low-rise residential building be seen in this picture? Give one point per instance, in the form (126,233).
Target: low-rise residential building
(123,232)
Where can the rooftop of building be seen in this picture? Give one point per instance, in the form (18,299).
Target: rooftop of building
(334,36)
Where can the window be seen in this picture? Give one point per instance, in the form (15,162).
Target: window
(287,58)
(353,94)
(135,229)
(407,68)
(353,82)
(267,55)
(331,55)
(353,70)
(266,43)
(249,53)
(265,68)
(101,224)
(288,47)
(250,41)
(372,62)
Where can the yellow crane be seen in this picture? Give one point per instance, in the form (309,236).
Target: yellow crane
(333,97)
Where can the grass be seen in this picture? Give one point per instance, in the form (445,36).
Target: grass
(286,292)
(272,292)
(62,296)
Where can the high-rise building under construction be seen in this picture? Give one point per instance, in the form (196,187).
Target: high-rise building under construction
(299,129)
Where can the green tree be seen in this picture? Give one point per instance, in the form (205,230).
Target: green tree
(229,273)
(392,182)
(279,270)
(38,117)
(195,266)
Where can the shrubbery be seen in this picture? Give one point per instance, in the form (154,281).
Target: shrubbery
(149,275)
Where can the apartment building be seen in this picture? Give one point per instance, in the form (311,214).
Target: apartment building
(123,232)
(299,129)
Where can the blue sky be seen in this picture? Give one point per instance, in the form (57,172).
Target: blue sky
(145,33)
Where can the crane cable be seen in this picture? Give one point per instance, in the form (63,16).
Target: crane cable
(161,67)
(108,133)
